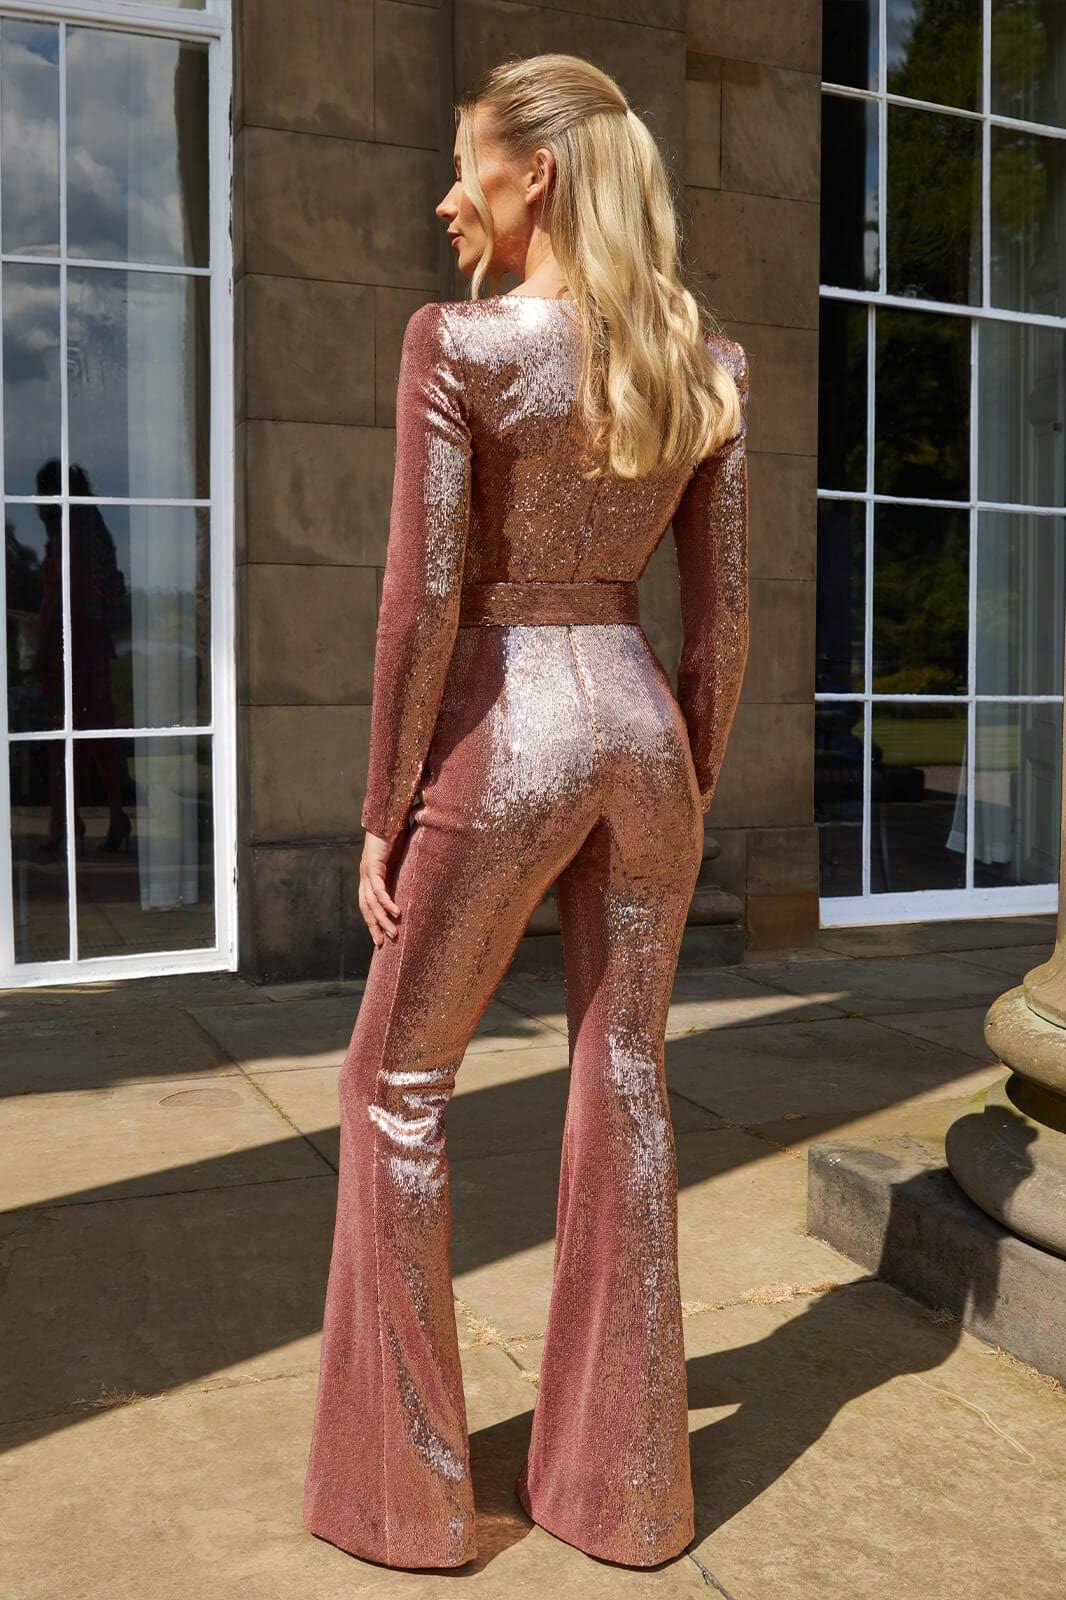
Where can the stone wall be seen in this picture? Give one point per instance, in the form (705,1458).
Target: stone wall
(343,132)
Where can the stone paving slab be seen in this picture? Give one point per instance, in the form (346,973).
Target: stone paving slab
(835,1070)
(148,1295)
(848,1444)
(916,938)
(725,998)
(1013,962)
(145,1045)
(879,984)
(959,1028)
(69,1002)
(925,1116)
(145,1138)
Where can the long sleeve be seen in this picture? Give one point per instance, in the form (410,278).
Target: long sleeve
(711,536)
(419,611)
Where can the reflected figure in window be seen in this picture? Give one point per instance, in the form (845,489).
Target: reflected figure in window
(97,586)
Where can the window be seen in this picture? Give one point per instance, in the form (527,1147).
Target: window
(116,832)
(941,595)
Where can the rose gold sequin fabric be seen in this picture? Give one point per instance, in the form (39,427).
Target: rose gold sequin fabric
(534,749)
(494,603)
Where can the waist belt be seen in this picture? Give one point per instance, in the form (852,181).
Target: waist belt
(607,600)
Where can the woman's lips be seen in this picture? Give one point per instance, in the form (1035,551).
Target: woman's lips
(456,237)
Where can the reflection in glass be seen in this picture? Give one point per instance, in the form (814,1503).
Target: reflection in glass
(849,43)
(141,655)
(1021,400)
(917,833)
(34,619)
(1027,194)
(31,373)
(842,391)
(849,193)
(838,779)
(1027,61)
(139,382)
(136,179)
(39,851)
(920,600)
(29,137)
(140,614)
(146,872)
(934,50)
(1017,791)
(934,206)
(923,405)
(840,596)
(1021,602)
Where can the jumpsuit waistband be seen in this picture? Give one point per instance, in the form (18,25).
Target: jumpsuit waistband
(606,600)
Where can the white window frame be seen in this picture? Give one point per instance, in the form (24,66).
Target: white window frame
(212,26)
(840,911)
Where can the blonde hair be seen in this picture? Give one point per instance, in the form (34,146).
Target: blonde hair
(651,393)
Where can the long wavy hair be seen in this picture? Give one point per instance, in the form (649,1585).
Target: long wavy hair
(652,395)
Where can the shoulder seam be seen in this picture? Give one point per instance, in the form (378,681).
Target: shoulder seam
(454,347)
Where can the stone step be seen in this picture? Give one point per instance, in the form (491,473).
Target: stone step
(891,1204)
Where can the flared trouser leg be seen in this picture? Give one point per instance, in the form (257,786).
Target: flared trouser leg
(388,1476)
(608,1467)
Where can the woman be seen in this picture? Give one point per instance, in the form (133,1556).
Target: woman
(545,438)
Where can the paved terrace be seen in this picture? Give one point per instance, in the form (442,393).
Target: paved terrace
(169,1176)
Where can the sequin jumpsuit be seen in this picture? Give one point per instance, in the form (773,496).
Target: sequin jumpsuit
(520,711)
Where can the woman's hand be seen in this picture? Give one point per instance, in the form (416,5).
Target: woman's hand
(375,902)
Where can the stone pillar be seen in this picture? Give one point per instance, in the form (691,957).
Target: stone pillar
(1010,1157)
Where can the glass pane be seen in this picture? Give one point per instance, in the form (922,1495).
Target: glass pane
(923,406)
(140,615)
(840,599)
(136,177)
(1021,604)
(31,377)
(934,50)
(29,137)
(1017,792)
(849,193)
(39,851)
(146,873)
(1021,382)
(842,391)
(34,617)
(920,603)
(934,206)
(917,798)
(178,5)
(138,382)
(1028,249)
(849,42)
(838,769)
(1027,80)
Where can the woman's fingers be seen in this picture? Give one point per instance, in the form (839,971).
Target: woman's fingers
(376,903)
(383,894)
(377,896)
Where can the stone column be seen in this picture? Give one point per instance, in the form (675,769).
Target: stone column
(1010,1157)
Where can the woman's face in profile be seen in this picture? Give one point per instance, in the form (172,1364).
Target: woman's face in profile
(504,184)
